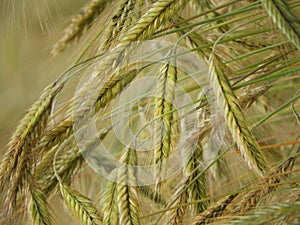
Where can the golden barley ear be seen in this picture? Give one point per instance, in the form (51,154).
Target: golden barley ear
(212,213)
(79,23)
(122,19)
(18,162)
(248,201)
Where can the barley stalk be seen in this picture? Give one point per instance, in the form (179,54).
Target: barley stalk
(82,207)
(284,19)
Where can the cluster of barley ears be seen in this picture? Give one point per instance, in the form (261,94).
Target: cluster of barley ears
(250,49)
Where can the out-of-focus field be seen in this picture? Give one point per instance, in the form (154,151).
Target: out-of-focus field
(28,29)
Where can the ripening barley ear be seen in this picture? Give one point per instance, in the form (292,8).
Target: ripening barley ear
(284,19)
(39,207)
(165,131)
(80,205)
(16,166)
(79,22)
(249,51)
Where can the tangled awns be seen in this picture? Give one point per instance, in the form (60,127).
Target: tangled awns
(173,112)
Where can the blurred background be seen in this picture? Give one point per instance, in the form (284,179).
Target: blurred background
(28,30)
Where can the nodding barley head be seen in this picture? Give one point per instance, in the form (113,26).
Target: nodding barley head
(150,111)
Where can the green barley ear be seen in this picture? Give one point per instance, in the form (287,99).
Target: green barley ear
(109,203)
(120,197)
(159,12)
(81,206)
(190,189)
(67,163)
(229,106)
(39,212)
(284,19)
(197,188)
(127,195)
(111,88)
(234,116)
(247,58)
(165,133)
